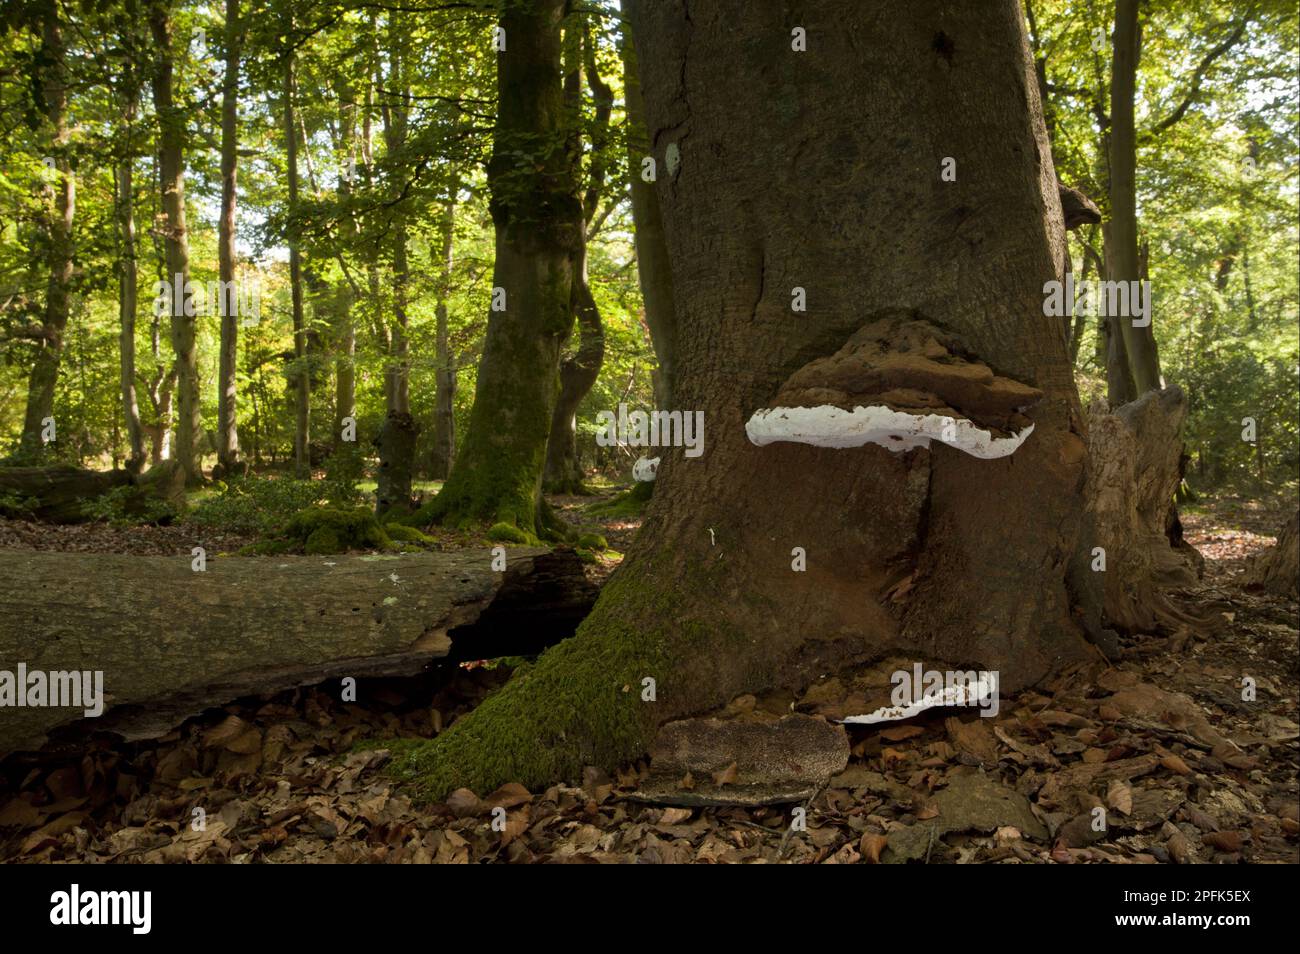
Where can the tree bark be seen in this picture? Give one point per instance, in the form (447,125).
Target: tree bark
(1278,568)
(1135,466)
(1139,342)
(579,371)
(245,626)
(444,378)
(227,385)
(537,216)
(128,276)
(652,266)
(184,326)
(973,563)
(302,373)
(61,207)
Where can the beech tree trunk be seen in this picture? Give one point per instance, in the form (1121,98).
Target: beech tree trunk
(1135,454)
(227,386)
(537,215)
(171,148)
(302,373)
(128,276)
(1278,568)
(821,171)
(444,376)
(1139,342)
(60,208)
(652,266)
(562,473)
(172,642)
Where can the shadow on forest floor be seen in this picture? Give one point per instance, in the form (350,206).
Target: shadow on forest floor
(1161,745)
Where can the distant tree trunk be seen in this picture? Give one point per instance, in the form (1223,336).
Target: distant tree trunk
(652,265)
(396,441)
(1139,342)
(1120,389)
(1278,568)
(579,371)
(444,379)
(302,374)
(345,371)
(59,212)
(538,219)
(974,563)
(227,385)
(171,120)
(128,276)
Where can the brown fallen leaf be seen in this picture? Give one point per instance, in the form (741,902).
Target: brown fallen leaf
(464,803)
(1176,765)
(1229,841)
(508,795)
(727,776)
(1119,796)
(871,846)
(900,733)
(687,782)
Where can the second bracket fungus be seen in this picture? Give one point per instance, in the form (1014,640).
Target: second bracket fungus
(900,382)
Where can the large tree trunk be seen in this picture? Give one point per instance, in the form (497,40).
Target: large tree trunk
(1139,342)
(1278,568)
(61,206)
(263,625)
(772,180)
(538,219)
(128,278)
(652,266)
(184,325)
(227,388)
(1135,455)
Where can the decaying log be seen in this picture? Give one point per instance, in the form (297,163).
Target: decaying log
(57,493)
(171,641)
(1277,569)
(1134,456)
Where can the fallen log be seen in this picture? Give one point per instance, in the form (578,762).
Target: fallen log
(171,641)
(59,493)
(56,494)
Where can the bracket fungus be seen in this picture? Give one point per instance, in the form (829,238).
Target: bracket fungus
(900,382)
(645,469)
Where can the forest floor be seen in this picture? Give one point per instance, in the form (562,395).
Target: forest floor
(1156,759)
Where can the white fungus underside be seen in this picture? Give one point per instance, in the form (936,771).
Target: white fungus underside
(961,695)
(828,426)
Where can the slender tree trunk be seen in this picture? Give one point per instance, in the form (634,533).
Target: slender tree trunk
(1120,389)
(171,121)
(1139,342)
(128,277)
(60,209)
(538,219)
(345,372)
(302,374)
(579,371)
(967,566)
(652,264)
(444,400)
(227,386)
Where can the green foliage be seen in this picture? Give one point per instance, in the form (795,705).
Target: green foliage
(593,541)
(123,506)
(508,533)
(263,504)
(334,530)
